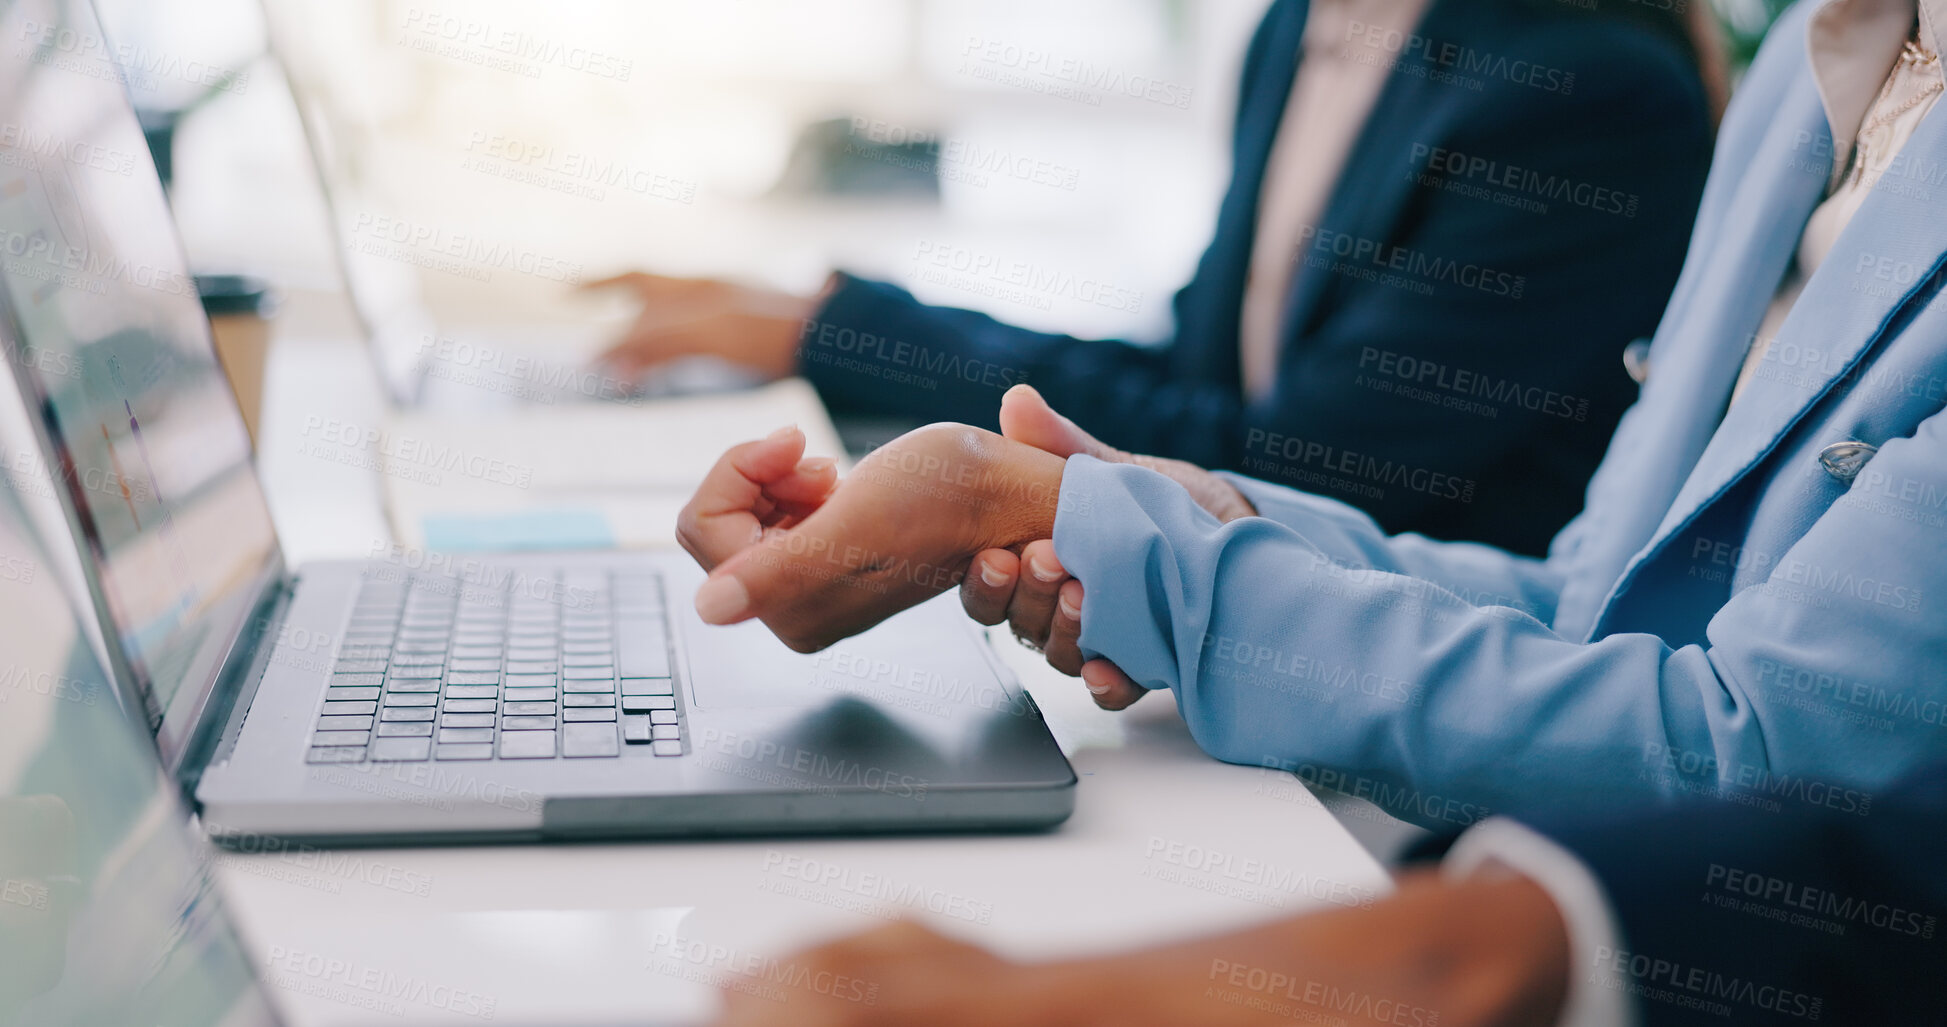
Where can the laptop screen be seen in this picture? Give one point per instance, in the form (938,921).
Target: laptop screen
(108,914)
(114,350)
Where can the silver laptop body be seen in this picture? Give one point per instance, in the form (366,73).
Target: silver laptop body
(416,696)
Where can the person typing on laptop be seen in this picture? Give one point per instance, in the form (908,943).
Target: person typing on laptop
(1392,223)
(1745,606)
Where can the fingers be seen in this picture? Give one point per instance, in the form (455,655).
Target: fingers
(653,341)
(809,585)
(1033,606)
(993,590)
(1064,650)
(1112,689)
(898,938)
(618,360)
(649,286)
(625,278)
(989,585)
(631,359)
(1027,418)
(803,490)
(729,509)
(665,329)
(879,545)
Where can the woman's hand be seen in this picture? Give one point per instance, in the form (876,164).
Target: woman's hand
(1027,418)
(818,560)
(1465,953)
(687,317)
(1034,592)
(757,487)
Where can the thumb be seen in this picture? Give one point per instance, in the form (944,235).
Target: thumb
(1028,419)
(775,574)
(794,580)
(723,599)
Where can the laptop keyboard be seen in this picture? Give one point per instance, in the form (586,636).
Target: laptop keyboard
(539,666)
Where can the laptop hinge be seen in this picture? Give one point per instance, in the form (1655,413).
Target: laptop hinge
(235,688)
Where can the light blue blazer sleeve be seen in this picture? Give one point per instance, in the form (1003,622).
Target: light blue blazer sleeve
(1482,575)
(1306,640)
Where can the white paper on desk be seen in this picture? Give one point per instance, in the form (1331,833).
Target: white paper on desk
(634,463)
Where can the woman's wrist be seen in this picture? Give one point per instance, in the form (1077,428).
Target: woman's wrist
(1022,494)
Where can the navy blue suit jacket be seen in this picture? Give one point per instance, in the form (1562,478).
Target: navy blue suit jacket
(1512,216)
(1804,913)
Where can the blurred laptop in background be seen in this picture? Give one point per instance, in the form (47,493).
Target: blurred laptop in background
(525,392)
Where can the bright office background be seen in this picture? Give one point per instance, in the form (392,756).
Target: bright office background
(476,124)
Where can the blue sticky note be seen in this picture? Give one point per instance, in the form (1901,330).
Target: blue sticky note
(517,530)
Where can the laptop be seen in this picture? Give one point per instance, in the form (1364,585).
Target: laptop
(521,390)
(110,910)
(534,358)
(420,697)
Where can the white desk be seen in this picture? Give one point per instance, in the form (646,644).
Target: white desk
(1164,843)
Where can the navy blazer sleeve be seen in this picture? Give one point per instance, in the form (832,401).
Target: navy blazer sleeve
(873,348)
(1747,914)
(1591,278)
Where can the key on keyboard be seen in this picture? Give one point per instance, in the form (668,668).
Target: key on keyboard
(542,666)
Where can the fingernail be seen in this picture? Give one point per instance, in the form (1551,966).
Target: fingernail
(1042,572)
(992,575)
(1100,689)
(781,433)
(817,465)
(1070,612)
(722,600)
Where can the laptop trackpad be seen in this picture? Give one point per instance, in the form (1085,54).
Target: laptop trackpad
(928,659)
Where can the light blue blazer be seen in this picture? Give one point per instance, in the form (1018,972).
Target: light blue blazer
(1742,608)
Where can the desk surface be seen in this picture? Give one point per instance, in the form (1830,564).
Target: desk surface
(1164,843)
